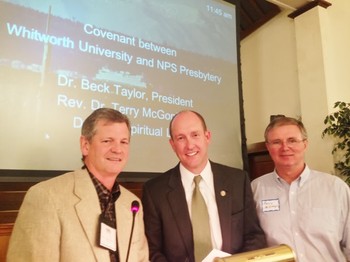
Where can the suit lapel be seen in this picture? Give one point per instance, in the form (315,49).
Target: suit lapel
(177,201)
(223,196)
(88,211)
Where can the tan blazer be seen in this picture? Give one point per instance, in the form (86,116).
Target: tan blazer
(59,221)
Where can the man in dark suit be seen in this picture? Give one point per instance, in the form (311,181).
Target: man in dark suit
(167,199)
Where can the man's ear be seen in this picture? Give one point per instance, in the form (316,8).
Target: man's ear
(84,146)
(171,142)
(208,136)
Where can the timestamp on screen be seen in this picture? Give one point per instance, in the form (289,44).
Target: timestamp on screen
(218,11)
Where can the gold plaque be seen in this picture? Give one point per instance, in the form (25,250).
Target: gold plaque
(281,253)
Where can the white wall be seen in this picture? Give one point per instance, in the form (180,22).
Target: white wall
(339,38)
(271,79)
(269,75)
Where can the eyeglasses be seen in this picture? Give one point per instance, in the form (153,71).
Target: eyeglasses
(290,142)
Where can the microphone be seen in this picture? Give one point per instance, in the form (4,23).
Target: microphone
(135,206)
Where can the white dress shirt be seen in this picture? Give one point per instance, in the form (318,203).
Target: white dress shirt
(206,186)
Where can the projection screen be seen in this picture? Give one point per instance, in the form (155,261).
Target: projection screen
(149,59)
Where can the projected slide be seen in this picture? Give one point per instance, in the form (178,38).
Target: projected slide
(149,59)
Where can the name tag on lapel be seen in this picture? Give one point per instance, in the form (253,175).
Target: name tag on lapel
(108,234)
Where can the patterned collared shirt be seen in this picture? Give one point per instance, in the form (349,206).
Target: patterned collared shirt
(107,199)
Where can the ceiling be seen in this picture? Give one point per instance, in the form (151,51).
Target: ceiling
(254,13)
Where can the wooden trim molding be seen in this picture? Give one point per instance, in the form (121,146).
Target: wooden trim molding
(6,229)
(256,148)
(309,6)
(260,162)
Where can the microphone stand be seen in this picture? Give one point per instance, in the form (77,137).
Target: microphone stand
(134,209)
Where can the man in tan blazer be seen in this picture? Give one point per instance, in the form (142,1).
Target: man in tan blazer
(84,215)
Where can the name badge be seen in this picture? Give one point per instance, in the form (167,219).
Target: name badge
(108,234)
(270,205)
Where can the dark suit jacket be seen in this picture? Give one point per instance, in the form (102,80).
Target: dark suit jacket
(168,224)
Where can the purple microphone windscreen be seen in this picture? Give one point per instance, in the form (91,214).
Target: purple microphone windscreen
(135,206)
